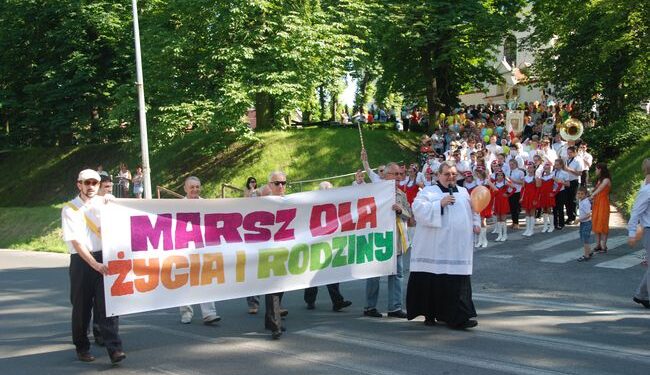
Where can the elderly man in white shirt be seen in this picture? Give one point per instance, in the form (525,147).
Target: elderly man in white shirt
(574,169)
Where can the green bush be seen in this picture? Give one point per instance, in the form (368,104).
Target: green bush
(609,140)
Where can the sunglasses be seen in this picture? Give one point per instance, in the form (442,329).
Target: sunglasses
(278,183)
(90,182)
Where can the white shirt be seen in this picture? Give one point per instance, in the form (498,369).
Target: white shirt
(560,175)
(584,209)
(587,159)
(575,164)
(77,220)
(419,178)
(640,211)
(519,175)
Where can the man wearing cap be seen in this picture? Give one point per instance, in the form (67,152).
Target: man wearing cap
(80,224)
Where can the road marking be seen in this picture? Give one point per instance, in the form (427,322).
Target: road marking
(458,358)
(623,262)
(497,256)
(555,240)
(574,254)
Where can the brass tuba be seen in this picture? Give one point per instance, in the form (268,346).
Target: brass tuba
(571,129)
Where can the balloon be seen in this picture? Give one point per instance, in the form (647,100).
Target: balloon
(506,150)
(486,139)
(442,116)
(480,198)
(489,131)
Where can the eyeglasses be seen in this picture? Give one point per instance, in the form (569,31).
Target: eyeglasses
(278,183)
(90,182)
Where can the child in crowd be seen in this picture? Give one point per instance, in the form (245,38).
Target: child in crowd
(584,217)
(529,196)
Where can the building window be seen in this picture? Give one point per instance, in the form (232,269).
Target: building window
(510,50)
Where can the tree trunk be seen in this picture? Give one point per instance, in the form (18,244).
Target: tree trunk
(321,99)
(360,98)
(264,111)
(430,80)
(334,102)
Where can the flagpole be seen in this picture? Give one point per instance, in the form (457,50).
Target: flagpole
(142,115)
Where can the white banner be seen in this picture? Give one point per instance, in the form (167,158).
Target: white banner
(173,252)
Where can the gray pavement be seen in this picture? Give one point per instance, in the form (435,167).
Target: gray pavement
(540,312)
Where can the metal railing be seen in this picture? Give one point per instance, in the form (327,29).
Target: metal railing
(240,192)
(170,192)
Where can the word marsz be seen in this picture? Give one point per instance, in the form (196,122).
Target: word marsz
(213,229)
(176,271)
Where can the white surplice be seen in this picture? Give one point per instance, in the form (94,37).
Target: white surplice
(444,241)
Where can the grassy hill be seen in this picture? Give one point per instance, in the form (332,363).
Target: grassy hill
(38,181)
(627,175)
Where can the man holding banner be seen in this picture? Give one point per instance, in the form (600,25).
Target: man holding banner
(80,224)
(273,316)
(403,213)
(439,285)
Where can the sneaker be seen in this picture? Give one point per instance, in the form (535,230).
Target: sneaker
(373,313)
(397,314)
(338,306)
(186,317)
(211,319)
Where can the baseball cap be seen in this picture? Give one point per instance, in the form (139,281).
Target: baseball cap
(88,174)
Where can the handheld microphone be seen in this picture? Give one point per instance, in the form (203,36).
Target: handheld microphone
(451,192)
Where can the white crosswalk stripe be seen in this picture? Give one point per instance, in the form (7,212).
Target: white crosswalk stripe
(613,243)
(623,262)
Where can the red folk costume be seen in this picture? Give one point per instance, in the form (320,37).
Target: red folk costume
(547,192)
(500,196)
(411,191)
(529,194)
(487,211)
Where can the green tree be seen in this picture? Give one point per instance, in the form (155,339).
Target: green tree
(593,52)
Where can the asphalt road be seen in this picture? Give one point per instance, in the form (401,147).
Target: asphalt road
(540,312)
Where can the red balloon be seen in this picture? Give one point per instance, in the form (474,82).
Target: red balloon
(480,198)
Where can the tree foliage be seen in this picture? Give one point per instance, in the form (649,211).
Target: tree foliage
(594,52)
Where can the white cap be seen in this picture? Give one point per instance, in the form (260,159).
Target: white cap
(88,174)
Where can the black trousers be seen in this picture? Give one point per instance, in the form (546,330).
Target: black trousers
(272,318)
(584,178)
(571,200)
(558,210)
(515,207)
(333,289)
(86,293)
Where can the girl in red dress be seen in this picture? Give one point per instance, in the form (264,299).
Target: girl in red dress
(529,196)
(482,179)
(546,196)
(501,192)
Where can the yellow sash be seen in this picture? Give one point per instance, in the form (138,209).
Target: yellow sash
(402,235)
(91,224)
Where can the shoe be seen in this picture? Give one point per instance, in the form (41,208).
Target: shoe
(373,313)
(570,222)
(85,357)
(584,258)
(645,304)
(429,323)
(397,314)
(466,324)
(275,335)
(117,356)
(557,227)
(341,305)
(311,306)
(186,317)
(211,319)
(284,312)
(252,310)
(99,341)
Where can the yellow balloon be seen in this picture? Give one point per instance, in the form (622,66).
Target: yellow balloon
(506,150)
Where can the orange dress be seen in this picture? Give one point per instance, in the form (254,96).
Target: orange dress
(600,211)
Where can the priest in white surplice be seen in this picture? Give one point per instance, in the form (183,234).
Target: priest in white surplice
(439,285)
